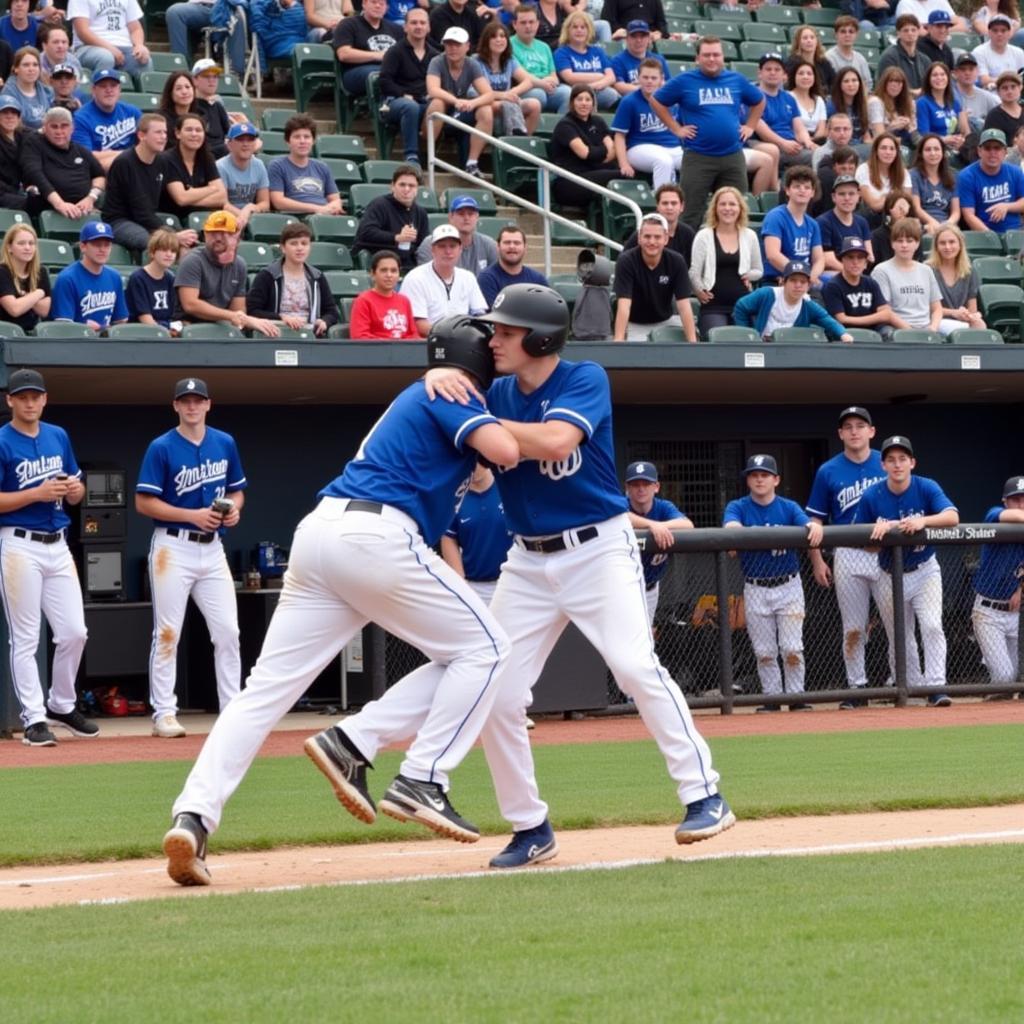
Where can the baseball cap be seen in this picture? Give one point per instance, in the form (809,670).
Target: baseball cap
(898,441)
(443,231)
(1000,19)
(966,58)
(455,35)
(761,464)
(104,75)
(642,471)
(221,220)
(9,103)
(654,218)
(464,203)
(845,179)
(771,55)
(63,69)
(796,267)
(191,386)
(206,67)
(25,380)
(1015,485)
(638,27)
(992,135)
(236,131)
(96,229)
(939,18)
(852,245)
(855,410)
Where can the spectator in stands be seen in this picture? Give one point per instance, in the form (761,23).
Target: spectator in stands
(922,9)
(511,266)
(89,292)
(934,41)
(726,259)
(187,19)
(619,13)
(998,54)
(381,313)
(279,26)
(1014,153)
(478,250)
(626,63)
(602,29)
(842,223)
(509,82)
(642,142)
(670,202)
(939,111)
(395,221)
(24,283)
(839,132)
(979,20)
(177,98)
(66,94)
(780,124)
(977,102)
(810,102)
(210,284)
(537,61)
(403,82)
(360,43)
(652,286)
(550,18)
(105,125)
(206,80)
(67,176)
(904,53)
(323,16)
(806,46)
(18,28)
(872,14)
(957,280)
(299,183)
(891,107)
(12,195)
(458,86)
(150,290)
(24,85)
(108,34)
(442,288)
(290,290)
(843,54)
(881,173)
(908,286)
(583,145)
(856,300)
(455,14)
(579,61)
(55,48)
(844,163)
(191,180)
(991,192)
(933,185)
(1009,115)
(245,178)
(899,205)
(709,100)
(789,232)
(848,97)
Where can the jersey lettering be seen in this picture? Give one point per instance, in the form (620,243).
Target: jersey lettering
(31,471)
(848,497)
(718,95)
(192,478)
(562,468)
(996,193)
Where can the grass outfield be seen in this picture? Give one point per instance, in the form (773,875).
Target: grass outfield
(931,935)
(54,814)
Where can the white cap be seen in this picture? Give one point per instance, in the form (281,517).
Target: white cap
(455,35)
(443,231)
(201,67)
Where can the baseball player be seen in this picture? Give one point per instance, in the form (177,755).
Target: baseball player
(575,557)
(191,485)
(997,582)
(773,596)
(364,553)
(40,474)
(910,503)
(649,512)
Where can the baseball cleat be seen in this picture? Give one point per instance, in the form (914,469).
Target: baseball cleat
(767,709)
(345,770)
(852,703)
(38,735)
(704,819)
(800,707)
(939,700)
(74,721)
(532,846)
(426,802)
(167,727)
(185,847)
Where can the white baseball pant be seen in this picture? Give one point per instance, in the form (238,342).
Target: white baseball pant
(662,162)
(855,575)
(346,569)
(775,623)
(179,567)
(922,596)
(996,633)
(651,597)
(484,589)
(41,579)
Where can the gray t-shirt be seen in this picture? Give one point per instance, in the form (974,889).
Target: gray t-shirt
(461,86)
(242,185)
(217,284)
(960,292)
(477,256)
(909,292)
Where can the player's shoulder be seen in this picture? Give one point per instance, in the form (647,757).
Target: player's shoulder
(993,514)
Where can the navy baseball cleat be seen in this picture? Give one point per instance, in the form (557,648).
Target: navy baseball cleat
(704,819)
(426,802)
(939,700)
(38,735)
(74,721)
(185,847)
(345,769)
(533,846)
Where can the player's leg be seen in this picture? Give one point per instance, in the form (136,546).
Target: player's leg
(651,597)
(21,584)
(853,585)
(761,629)
(789,616)
(884,601)
(214,594)
(994,642)
(924,595)
(61,601)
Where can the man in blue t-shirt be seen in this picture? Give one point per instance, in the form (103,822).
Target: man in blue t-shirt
(991,191)
(781,123)
(89,292)
(244,177)
(843,222)
(709,101)
(626,63)
(105,125)
(511,267)
(789,232)
(299,183)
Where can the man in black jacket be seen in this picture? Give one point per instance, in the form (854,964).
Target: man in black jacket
(934,41)
(395,221)
(457,13)
(403,82)
(12,196)
(619,13)
(67,176)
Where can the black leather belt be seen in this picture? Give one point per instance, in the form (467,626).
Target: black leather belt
(912,568)
(192,535)
(651,586)
(772,581)
(549,545)
(358,505)
(41,538)
(999,606)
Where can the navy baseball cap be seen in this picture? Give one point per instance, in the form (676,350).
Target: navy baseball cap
(855,410)
(96,229)
(897,441)
(761,464)
(25,380)
(464,203)
(9,103)
(105,74)
(852,245)
(769,56)
(796,267)
(1013,486)
(191,386)
(638,27)
(63,69)
(642,471)
(966,58)
(236,131)
(940,18)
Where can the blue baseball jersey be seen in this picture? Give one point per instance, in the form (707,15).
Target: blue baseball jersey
(838,486)
(98,130)
(979,192)
(924,497)
(25,462)
(190,475)
(1001,567)
(482,534)
(543,497)
(416,457)
(778,512)
(797,240)
(641,125)
(80,295)
(654,561)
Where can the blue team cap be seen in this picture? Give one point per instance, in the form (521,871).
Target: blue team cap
(104,75)
(642,471)
(96,229)
(638,27)
(897,441)
(796,267)
(236,131)
(761,464)
(9,103)
(939,18)
(464,203)
(190,386)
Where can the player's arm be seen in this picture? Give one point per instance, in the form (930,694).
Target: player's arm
(156,508)
(622,308)
(1012,515)
(451,553)
(496,443)
(971,219)
(232,518)
(773,252)
(686,317)
(822,573)
(947,517)
(51,489)
(551,441)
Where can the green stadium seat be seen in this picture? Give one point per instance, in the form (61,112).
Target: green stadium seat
(145,101)
(329,228)
(8,218)
(753,50)
(664,335)
(492,226)
(619,220)
(138,332)
(799,336)
(314,70)
(55,225)
(759,33)
(1001,306)
(257,254)
(274,119)
(153,81)
(511,172)
(345,173)
(347,106)
(734,335)
(819,16)
(975,337)
(672,49)
(427,198)
(346,147)
(362,195)
(912,336)
(384,133)
(330,256)
(211,332)
(229,85)
(63,329)
(55,254)
(339,332)
(983,243)
(347,283)
(380,170)
(273,144)
(239,105)
(9,330)
(864,334)
(998,269)
(1014,242)
(731,30)
(747,68)
(168,62)
(169,220)
(779,15)
(266,227)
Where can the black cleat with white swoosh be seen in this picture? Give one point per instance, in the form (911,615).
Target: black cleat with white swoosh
(411,800)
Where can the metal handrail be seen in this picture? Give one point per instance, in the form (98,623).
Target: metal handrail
(545,167)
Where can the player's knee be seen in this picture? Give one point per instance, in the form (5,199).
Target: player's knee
(767,660)
(852,641)
(793,659)
(73,637)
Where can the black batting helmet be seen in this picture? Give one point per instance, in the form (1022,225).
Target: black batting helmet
(542,311)
(462,341)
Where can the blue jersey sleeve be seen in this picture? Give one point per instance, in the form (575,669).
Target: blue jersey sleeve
(934,496)
(153,471)
(818,502)
(70,463)
(733,513)
(797,516)
(585,401)
(236,475)
(459,421)
(64,304)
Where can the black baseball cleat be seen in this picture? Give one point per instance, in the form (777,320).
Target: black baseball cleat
(38,735)
(185,847)
(345,769)
(426,802)
(74,721)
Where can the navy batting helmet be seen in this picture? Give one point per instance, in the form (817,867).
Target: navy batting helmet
(462,341)
(542,311)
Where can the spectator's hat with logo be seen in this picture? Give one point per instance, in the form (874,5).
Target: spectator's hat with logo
(105,75)
(96,230)
(771,55)
(897,441)
(761,464)
(855,410)
(638,28)
(237,131)
(966,58)
(63,71)
(221,220)
(206,67)
(940,18)
(455,34)
(849,245)
(190,386)
(464,203)
(794,267)
(992,135)
(642,471)
(1012,487)
(845,179)
(443,231)
(25,380)
(9,103)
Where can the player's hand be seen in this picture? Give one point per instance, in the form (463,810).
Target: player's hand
(911,524)
(232,518)
(52,489)
(76,489)
(880,529)
(663,536)
(823,574)
(815,533)
(207,520)
(450,384)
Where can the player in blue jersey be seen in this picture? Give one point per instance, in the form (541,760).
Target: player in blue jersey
(191,485)
(649,512)
(996,612)
(910,503)
(364,554)
(575,557)
(773,596)
(38,475)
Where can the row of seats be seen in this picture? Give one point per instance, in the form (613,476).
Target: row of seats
(814,335)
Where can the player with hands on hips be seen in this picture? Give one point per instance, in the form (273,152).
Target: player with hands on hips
(773,596)
(38,476)
(364,553)
(191,485)
(575,557)
(907,503)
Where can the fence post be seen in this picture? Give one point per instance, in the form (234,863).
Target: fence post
(378,669)
(725,679)
(899,628)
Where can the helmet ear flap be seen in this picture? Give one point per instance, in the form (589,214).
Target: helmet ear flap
(537,344)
